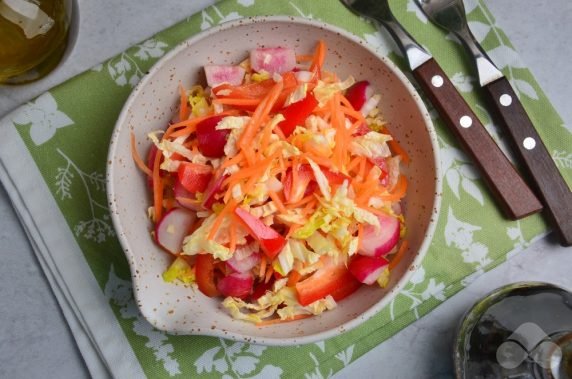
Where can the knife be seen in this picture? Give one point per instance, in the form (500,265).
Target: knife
(513,195)
(548,182)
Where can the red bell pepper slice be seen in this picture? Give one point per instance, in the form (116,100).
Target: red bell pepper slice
(305,176)
(271,242)
(194,177)
(306,182)
(331,279)
(205,275)
(296,113)
(334,177)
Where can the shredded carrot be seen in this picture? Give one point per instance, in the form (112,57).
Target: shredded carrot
(157,187)
(262,110)
(295,167)
(137,158)
(292,229)
(310,207)
(360,235)
(352,113)
(266,134)
(318,58)
(276,199)
(365,194)
(304,200)
(304,58)
(399,150)
(235,101)
(232,235)
(253,173)
(340,140)
(275,321)
(190,125)
(251,182)
(362,168)
(269,272)
(398,191)
(229,207)
(293,278)
(355,162)
(234,160)
(184,104)
(263,264)
(399,255)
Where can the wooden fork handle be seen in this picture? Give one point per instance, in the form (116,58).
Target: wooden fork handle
(548,181)
(515,198)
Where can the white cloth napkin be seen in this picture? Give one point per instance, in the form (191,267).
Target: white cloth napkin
(83,303)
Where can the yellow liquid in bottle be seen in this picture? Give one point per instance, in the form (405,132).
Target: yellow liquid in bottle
(33,38)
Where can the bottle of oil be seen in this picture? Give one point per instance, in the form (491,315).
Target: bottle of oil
(33,38)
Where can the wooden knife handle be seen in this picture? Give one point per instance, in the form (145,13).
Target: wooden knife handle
(548,181)
(511,192)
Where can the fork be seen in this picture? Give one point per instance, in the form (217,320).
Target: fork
(511,192)
(550,185)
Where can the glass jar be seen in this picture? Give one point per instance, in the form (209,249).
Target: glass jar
(33,38)
(523,330)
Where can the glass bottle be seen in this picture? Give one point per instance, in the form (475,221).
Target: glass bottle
(33,38)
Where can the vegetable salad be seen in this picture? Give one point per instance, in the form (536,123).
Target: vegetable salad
(278,187)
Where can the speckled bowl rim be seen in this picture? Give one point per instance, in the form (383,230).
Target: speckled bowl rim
(435,207)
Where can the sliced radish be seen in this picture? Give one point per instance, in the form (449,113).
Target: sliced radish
(211,141)
(219,74)
(213,189)
(367,269)
(271,242)
(237,284)
(378,242)
(273,59)
(245,264)
(185,198)
(370,105)
(359,93)
(172,229)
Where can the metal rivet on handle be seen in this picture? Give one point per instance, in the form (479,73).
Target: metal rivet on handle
(505,100)
(529,143)
(437,81)
(466,122)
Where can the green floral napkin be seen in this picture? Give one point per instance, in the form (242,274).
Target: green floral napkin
(53,160)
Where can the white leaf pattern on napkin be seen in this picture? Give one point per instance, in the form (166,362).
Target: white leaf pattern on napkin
(44,117)
(505,56)
(460,235)
(525,88)
(120,292)
(412,7)
(480,30)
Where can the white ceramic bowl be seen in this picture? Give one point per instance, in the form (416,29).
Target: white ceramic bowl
(181,310)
